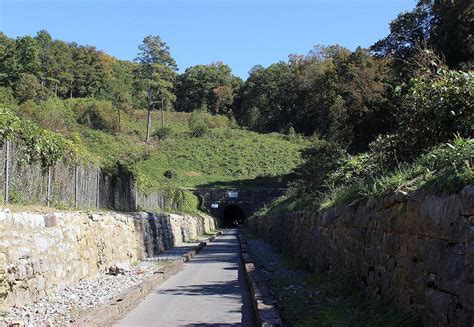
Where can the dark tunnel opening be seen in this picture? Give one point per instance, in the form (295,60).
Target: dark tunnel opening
(233,215)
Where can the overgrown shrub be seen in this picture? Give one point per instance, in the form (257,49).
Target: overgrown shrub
(28,109)
(433,110)
(197,124)
(41,145)
(6,96)
(163,132)
(329,176)
(34,143)
(170,174)
(216,121)
(96,114)
(29,88)
(54,115)
(320,159)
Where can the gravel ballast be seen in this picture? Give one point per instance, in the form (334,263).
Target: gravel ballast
(64,306)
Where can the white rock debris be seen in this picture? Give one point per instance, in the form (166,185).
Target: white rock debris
(64,306)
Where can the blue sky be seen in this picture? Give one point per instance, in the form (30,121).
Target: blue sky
(241,33)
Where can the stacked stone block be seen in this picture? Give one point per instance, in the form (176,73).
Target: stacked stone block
(416,251)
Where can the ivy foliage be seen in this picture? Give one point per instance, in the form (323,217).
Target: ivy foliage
(9,124)
(34,143)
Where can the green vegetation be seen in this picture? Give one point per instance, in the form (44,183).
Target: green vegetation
(395,117)
(34,143)
(325,181)
(430,149)
(223,157)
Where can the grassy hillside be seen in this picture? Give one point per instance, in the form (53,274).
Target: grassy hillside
(220,155)
(224,157)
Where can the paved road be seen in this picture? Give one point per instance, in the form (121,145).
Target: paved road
(210,291)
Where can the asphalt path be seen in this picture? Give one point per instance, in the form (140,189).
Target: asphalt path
(211,290)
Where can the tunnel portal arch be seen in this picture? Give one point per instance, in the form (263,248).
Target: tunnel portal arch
(233,215)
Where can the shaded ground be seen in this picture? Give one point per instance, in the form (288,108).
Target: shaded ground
(210,291)
(319,299)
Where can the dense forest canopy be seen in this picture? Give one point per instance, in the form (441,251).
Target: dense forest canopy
(407,93)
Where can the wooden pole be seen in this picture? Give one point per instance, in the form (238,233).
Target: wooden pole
(97,199)
(7,171)
(76,186)
(48,196)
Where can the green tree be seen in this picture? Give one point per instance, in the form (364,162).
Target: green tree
(157,74)
(28,55)
(47,59)
(362,83)
(29,88)
(63,69)
(269,94)
(207,87)
(8,61)
(90,72)
(452,31)
(409,32)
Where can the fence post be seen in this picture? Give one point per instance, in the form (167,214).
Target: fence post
(48,196)
(7,171)
(76,187)
(136,196)
(97,198)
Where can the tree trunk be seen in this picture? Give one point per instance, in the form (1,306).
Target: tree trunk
(118,116)
(162,114)
(148,122)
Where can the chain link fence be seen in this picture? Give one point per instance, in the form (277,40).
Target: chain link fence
(66,185)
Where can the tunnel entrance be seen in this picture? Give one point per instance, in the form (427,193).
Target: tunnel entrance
(233,215)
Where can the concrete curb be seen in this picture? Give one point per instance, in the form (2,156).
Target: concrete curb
(108,313)
(262,301)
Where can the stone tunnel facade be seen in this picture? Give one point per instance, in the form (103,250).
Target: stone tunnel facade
(220,201)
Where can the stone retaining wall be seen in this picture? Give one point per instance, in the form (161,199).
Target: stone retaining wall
(416,251)
(41,253)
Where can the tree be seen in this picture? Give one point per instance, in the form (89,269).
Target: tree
(269,94)
(452,31)
(120,88)
(362,84)
(90,71)
(444,26)
(63,70)
(28,88)
(207,87)
(28,55)
(157,72)
(8,61)
(408,32)
(47,59)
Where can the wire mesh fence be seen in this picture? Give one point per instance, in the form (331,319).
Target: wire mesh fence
(67,185)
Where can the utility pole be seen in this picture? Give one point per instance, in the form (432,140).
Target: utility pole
(7,172)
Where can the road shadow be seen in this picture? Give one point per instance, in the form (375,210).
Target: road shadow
(279,181)
(222,250)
